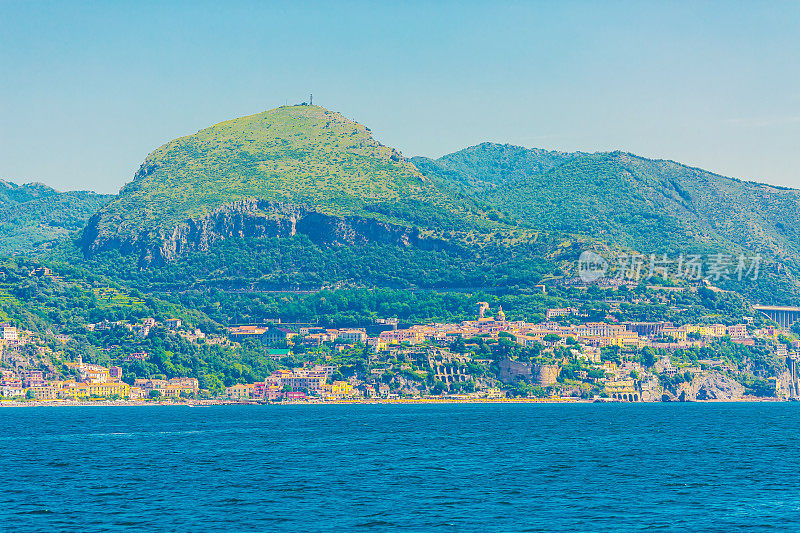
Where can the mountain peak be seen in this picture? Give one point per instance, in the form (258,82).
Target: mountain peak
(292,155)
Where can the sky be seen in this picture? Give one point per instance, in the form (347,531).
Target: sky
(87,90)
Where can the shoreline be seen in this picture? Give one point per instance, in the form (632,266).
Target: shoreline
(394,401)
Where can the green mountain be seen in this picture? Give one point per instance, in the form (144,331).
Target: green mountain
(626,203)
(643,204)
(34,216)
(300,198)
(263,175)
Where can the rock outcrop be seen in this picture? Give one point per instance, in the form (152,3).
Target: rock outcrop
(712,386)
(254,218)
(512,371)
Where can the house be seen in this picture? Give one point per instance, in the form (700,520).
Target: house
(277,335)
(173,323)
(239,391)
(353,335)
(737,332)
(34,378)
(8,332)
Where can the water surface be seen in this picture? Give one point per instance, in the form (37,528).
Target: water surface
(448,468)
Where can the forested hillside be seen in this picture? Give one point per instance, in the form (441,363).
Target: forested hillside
(33,217)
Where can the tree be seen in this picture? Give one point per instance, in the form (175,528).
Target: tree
(155,394)
(439,388)
(29,394)
(458,345)
(648,356)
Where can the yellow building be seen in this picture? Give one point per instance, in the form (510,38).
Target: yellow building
(338,389)
(88,390)
(712,330)
(625,338)
(239,391)
(679,334)
(46,392)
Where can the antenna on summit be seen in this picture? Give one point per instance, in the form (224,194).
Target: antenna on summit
(310,99)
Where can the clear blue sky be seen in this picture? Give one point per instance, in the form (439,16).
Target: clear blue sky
(87,90)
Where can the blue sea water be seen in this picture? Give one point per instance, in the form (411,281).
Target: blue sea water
(448,468)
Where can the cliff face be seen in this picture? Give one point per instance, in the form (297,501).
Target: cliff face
(711,386)
(253,218)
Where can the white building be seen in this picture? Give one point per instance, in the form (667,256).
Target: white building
(9,332)
(353,335)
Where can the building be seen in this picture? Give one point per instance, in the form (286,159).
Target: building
(276,354)
(650,329)
(352,336)
(240,391)
(338,389)
(115,373)
(11,391)
(711,330)
(34,378)
(8,332)
(45,392)
(599,329)
(558,312)
(622,389)
(737,332)
(172,388)
(137,356)
(92,373)
(277,335)
(247,331)
(77,391)
(173,323)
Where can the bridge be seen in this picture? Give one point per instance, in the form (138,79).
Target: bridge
(785,317)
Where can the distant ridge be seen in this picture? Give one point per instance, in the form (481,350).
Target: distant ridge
(34,217)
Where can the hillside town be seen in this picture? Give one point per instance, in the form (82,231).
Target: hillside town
(565,357)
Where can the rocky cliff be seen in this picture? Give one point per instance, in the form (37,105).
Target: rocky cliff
(512,371)
(711,386)
(255,218)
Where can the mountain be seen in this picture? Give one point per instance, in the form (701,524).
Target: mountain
(292,169)
(300,197)
(643,204)
(34,216)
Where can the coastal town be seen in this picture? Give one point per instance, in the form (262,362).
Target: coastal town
(566,357)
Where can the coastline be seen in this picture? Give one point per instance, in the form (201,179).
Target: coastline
(393,401)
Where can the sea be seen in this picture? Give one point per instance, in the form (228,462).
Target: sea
(402,467)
